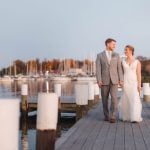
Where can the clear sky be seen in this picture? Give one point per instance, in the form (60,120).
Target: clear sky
(71,28)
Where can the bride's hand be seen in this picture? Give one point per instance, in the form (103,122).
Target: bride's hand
(121,83)
(139,89)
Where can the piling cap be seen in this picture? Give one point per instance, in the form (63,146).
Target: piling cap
(47,111)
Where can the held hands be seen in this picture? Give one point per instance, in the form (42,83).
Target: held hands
(139,89)
(121,83)
(100,84)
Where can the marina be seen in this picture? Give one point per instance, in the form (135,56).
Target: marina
(71,72)
(80,123)
(69,111)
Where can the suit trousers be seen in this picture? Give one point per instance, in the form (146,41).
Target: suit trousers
(111,89)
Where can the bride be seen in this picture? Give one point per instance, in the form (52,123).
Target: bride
(130,107)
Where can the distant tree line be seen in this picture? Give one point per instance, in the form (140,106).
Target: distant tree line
(145,68)
(36,67)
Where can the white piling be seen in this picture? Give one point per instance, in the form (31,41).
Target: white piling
(9,124)
(90,94)
(90,91)
(47,86)
(24,89)
(47,111)
(146,91)
(57,89)
(81,94)
(97,93)
(96,89)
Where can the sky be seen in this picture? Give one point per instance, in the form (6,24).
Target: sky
(76,29)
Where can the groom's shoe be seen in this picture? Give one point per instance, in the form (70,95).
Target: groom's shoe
(112,119)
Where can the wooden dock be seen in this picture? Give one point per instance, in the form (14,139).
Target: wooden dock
(67,104)
(92,133)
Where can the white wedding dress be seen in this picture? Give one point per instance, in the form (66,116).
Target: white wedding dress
(130,106)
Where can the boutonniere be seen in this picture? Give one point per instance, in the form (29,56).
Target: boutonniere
(113,55)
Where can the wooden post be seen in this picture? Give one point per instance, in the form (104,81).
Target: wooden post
(47,117)
(24,116)
(24,99)
(81,111)
(24,136)
(45,139)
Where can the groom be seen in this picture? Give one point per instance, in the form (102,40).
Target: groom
(109,74)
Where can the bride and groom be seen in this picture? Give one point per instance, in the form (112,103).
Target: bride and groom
(111,72)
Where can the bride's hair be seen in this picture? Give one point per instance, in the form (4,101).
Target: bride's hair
(131,48)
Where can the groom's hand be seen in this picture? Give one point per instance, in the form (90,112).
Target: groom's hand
(100,84)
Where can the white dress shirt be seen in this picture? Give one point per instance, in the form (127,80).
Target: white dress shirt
(109,55)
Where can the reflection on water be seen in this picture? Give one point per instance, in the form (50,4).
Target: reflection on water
(12,89)
(30,139)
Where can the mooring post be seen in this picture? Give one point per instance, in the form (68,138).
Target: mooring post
(24,135)
(9,124)
(81,96)
(47,117)
(146,92)
(24,99)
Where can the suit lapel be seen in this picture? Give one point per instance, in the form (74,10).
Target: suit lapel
(113,53)
(105,57)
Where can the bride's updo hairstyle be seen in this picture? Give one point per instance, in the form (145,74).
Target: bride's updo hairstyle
(131,48)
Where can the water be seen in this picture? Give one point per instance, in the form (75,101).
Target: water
(27,132)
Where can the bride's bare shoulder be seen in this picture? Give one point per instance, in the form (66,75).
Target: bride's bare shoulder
(137,61)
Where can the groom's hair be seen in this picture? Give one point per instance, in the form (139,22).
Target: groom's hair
(109,40)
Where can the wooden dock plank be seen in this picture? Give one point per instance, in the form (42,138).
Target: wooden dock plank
(99,143)
(89,121)
(110,139)
(120,138)
(145,126)
(88,145)
(146,133)
(92,133)
(138,137)
(74,137)
(78,144)
(129,138)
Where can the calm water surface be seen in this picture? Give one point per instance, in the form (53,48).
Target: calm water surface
(27,134)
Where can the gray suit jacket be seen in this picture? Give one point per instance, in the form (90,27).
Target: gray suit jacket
(106,72)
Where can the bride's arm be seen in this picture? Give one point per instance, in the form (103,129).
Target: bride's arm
(138,72)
